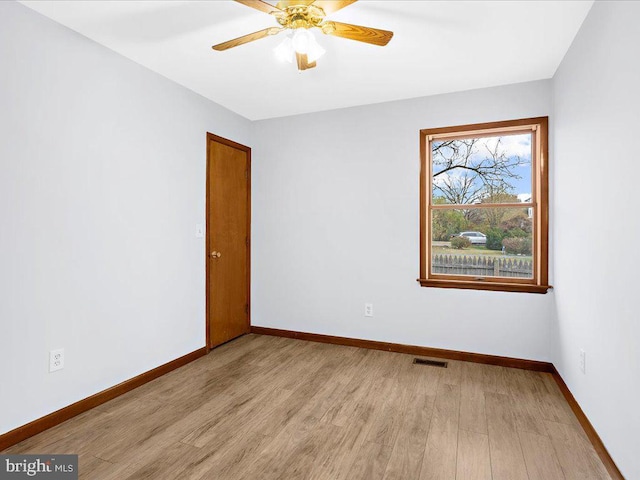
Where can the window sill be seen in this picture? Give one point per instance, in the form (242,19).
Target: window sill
(493,286)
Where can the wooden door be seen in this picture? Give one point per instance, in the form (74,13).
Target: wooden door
(228,234)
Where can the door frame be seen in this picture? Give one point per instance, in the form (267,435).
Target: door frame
(247,150)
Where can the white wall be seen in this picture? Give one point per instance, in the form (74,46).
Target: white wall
(336,224)
(102,181)
(597,121)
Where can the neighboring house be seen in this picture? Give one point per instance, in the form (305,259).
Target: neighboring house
(526,198)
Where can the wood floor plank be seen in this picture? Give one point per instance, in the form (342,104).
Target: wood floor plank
(472,408)
(326,398)
(93,468)
(507,460)
(314,394)
(227,463)
(152,432)
(474,460)
(175,461)
(540,457)
(277,408)
(355,359)
(236,417)
(369,380)
(452,375)
(279,349)
(370,463)
(335,461)
(495,379)
(528,414)
(552,403)
(406,457)
(386,424)
(442,441)
(294,451)
(405,460)
(575,455)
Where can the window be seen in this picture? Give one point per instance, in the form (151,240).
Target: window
(484,206)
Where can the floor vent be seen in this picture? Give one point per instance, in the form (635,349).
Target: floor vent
(431,363)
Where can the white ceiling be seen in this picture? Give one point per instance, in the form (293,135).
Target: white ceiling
(438,47)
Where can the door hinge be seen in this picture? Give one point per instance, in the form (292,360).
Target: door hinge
(246,241)
(246,308)
(246,174)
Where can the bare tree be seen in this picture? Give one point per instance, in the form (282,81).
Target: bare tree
(471,170)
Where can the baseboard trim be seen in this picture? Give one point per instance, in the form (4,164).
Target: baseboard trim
(593,436)
(48,421)
(465,357)
(411,349)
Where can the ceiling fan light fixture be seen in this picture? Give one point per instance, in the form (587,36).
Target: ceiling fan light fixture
(302,39)
(305,43)
(314,50)
(285,51)
(302,42)
(299,17)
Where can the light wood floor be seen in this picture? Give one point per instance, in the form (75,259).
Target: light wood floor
(273,408)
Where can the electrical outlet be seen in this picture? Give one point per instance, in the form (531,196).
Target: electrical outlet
(56,360)
(368,309)
(583,361)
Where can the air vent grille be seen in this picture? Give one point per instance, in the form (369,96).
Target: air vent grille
(431,363)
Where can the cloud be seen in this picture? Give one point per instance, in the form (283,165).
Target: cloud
(514,145)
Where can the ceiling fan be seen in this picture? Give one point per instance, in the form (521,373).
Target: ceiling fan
(300,16)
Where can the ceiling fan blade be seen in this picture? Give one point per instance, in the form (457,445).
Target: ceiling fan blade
(260,5)
(330,6)
(374,36)
(247,38)
(303,64)
(283,4)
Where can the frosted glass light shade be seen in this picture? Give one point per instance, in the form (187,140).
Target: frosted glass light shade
(302,42)
(284,51)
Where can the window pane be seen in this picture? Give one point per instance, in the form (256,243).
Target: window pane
(482,242)
(482,170)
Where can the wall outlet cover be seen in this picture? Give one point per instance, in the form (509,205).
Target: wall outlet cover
(368,309)
(56,360)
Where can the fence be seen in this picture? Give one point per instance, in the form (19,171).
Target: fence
(481,266)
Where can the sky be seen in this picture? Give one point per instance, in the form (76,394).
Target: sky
(520,145)
(512,146)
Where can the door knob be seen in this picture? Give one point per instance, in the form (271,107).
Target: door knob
(215,254)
